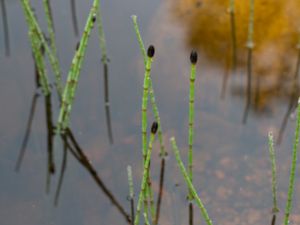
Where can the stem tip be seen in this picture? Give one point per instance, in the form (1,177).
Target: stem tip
(194,57)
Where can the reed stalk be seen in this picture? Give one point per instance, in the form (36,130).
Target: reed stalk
(145,174)
(33,24)
(189,183)
(131,192)
(49,18)
(74,72)
(293,168)
(274,180)
(163,152)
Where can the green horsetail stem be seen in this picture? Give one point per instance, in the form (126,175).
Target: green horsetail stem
(73,76)
(32,22)
(131,192)
(37,49)
(151,91)
(146,219)
(49,17)
(293,168)
(250,46)
(150,54)
(189,182)
(145,173)
(274,182)
(193,59)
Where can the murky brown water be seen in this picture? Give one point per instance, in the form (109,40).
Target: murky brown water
(232,171)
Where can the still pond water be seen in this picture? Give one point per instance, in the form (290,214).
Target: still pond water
(232,169)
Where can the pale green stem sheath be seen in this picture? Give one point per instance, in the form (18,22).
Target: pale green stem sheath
(139,38)
(47,9)
(274,182)
(130,181)
(73,76)
(40,64)
(189,183)
(151,92)
(102,41)
(145,174)
(193,59)
(31,21)
(293,168)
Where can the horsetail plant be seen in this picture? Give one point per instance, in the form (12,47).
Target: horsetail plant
(151,91)
(193,59)
(73,76)
(145,173)
(189,183)
(33,24)
(163,152)
(131,192)
(274,182)
(293,168)
(250,46)
(51,33)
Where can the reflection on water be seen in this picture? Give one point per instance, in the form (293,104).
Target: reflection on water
(276,40)
(232,170)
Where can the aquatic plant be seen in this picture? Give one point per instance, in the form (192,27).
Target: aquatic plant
(273,162)
(131,192)
(293,168)
(146,168)
(189,183)
(74,72)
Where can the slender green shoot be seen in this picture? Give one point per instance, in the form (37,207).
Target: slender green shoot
(189,182)
(49,17)
(131,192)
(145,174)
(193,59)
(293,169)
(150,55)
(74,72)
(37,49)
(274,180)
(146,219)
(163,152)
(33,24)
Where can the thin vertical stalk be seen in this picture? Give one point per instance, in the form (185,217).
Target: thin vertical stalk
(293,169)
(145,174)
(74,72)
(273,162)
(131,192)
(49,18)
(163,152)
(5,28)
(193,59)
(189,182)
(250,46)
